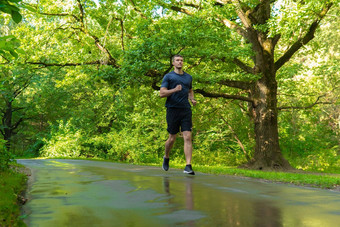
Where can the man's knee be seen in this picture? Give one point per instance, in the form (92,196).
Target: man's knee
(187,136)
(172,138)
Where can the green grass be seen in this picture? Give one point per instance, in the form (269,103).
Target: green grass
(320,180)
(300,178)
(12,184)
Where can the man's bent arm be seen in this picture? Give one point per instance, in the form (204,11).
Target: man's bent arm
(191,97)
(191,94)
(164,92)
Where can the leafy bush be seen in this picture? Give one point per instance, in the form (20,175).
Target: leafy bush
(65,141)
(323,160)
(138,133)
(34,150)
(5,156)
(11,185)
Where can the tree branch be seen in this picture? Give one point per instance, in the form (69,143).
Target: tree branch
(178,8)
(239,63)
(219,95)
(194,65)
(137,10)
(82,14)
(122,33)
(236,138)
(17,109)
(15,126)
(233,26)
(61,15)
(248,32)
(302,41)
(304,107)
(243,66)
(154,85)
(109,61)
(67,64)
(241,14)
(22,88)
(182,10)
(236,84)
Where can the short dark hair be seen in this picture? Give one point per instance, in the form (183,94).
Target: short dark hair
(176,56)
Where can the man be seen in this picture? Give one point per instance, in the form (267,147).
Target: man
(177,87)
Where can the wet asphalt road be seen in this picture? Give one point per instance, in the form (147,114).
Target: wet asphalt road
(91,193)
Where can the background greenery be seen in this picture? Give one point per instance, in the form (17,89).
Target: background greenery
(78,79)
(76,101)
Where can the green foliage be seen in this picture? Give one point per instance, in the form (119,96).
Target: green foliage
(33,150)
(112,113)
(303,145)
(324,160)
(7,6)
(5,156)
(131,138)
(9,44)
(310,137)
(66,141)
(137,133)
(329,181)
(12,184)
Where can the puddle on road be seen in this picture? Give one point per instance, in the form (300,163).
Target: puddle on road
(90,193)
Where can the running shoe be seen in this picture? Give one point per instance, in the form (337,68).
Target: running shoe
(188,170)
(166,164)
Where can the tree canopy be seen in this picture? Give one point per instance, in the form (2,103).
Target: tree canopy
(265,73)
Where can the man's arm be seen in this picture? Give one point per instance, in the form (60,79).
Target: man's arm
(191,97)
(164,92)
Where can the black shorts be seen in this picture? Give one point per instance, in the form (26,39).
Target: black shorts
(178,118)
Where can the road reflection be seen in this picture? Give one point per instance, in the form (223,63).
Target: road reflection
(266,215)
(189,198)
(235,208)
(88,193)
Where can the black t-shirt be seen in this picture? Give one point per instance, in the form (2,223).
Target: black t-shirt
(178,99)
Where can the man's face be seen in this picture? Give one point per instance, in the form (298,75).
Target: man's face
(178,62)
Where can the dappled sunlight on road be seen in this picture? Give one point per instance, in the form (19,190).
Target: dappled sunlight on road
(92,193)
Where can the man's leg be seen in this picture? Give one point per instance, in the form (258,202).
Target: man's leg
(187,146)
(169,144)
(188,152)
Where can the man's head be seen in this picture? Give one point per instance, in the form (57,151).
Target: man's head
(177,61)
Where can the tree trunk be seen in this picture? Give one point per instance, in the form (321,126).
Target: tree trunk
(7,124)
(267,149)
(264,112)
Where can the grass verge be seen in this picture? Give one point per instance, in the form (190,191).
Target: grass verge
(12,184)
(300,178)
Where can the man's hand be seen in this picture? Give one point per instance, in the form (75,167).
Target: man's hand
(193,101)
(178,87)
(164,92)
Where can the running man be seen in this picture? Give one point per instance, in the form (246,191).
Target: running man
(177,87)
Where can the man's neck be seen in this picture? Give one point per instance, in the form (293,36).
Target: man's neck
(178,71)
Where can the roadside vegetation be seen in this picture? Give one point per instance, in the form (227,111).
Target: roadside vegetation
(296,177)
(12,187)
(82,81)
(299,178)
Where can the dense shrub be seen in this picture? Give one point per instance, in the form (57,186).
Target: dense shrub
(6,157)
